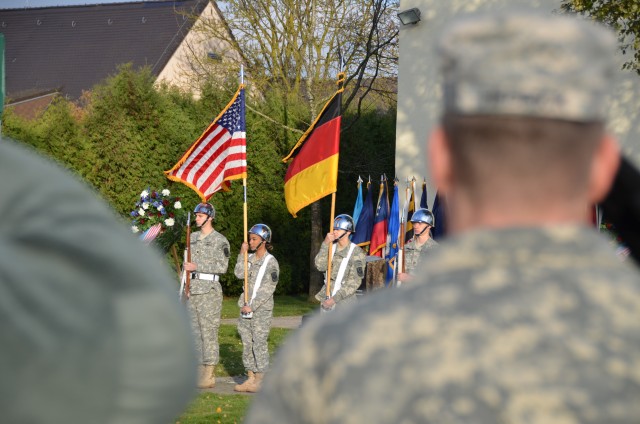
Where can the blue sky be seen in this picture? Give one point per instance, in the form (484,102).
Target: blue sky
(11,4)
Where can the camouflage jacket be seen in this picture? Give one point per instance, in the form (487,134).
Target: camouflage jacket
(264,297)
(414,254)
(352,277)
(211,253)
(520,325)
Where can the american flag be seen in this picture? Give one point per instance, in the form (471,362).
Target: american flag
(219,155)
(151,233)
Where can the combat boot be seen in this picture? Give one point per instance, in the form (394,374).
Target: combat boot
(248,383)
(257,382)
(207,377)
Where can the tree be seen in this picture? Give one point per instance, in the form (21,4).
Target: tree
(57,133)
(291,50)
(136,130)
(621,15)
(123,134)
(361,155)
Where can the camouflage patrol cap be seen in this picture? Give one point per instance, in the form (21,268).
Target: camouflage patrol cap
(523,63)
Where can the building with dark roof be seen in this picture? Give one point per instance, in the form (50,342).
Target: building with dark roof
(68,49)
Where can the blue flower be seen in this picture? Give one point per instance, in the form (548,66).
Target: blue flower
(156,206)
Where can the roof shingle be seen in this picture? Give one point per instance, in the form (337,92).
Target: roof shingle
(72,48)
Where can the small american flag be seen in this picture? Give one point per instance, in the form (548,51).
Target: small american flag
(151,233)
(219,155)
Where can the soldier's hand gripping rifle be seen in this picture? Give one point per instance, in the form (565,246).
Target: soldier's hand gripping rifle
(186,275)
(621,207)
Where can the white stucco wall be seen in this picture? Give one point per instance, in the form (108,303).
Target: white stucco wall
(189,62)
(419,86)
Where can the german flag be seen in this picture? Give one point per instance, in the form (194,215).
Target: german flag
(313,168)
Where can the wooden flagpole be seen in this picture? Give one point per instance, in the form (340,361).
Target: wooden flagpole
(329,260)
(246,254)
(340,83)
(403,225)
(245,222)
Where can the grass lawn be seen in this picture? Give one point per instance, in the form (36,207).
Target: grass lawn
(216,408)
(285,306)
(231,348)
(210,408)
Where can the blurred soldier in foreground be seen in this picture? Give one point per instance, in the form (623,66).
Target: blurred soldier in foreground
(528,316)
(417,249)
(92,331)
(254,323)
(209,259)
(347,264)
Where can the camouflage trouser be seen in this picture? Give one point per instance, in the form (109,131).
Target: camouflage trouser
(205,312)
(254,333)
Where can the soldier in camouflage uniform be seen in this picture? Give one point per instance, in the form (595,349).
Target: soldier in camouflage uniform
(528,315)
(92,331)
(209,260)
(416,250)
(347,265)
(254,323)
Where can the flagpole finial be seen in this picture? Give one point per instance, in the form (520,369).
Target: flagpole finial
(360,181)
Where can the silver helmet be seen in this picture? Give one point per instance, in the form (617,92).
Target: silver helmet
(423,215)
(343,222)
(261,230)
(206,208)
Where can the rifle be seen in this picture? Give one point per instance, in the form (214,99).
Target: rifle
(621,207)
(187,284)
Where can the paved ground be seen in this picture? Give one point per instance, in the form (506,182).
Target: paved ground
(224,385)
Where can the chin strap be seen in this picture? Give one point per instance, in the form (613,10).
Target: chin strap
(257,247)
(421,232)
(338,239)
(205,221)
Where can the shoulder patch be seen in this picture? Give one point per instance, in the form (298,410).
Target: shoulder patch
(226,251)
(274,276)
(359,269)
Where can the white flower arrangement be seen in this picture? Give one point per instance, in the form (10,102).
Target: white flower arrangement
(158,207)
